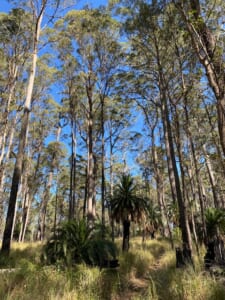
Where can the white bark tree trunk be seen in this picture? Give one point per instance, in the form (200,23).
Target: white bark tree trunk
(6,243)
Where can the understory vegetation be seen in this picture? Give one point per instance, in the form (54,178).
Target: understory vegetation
(147,271)
(112,131)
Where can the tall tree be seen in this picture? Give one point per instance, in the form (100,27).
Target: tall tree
(97,57)
(148,31)
(127,206)
(15,44)
(38,10)
(207,41)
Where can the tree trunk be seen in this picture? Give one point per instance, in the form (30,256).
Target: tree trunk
(4,121)
(215,140)
(46,196)
(15,184)
(194,230)
(171,157)
(205,45)
(168,224)
(159,185)
(211,178)
(111,183)
(126,235)
(197,173)
(90,165)
(24,193)
(56,204)
(103,166)
(6,243)
(85,194)
(43,208)
(25,214)
(183,218)
(95,174)
(72,201)
(170,169)
(2,173)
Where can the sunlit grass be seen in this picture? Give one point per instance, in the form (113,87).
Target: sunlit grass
(146,272)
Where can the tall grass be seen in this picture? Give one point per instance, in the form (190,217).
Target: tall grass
(146,272)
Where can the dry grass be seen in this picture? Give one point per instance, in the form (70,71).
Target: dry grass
(146,272)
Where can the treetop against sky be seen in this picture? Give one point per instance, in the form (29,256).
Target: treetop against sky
(5,6)
(56,92)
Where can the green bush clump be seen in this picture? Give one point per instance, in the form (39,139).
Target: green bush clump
(99,251)
(75,242)
(67,243)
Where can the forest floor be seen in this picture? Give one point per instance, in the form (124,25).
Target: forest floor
(146,272)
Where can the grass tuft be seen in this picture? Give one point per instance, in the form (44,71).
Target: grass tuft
(146,272)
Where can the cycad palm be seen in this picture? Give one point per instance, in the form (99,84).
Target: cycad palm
(127,206)
(215,222)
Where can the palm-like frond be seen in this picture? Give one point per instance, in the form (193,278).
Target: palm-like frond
(215,221)
(125,203)
(68,242)
(154,214)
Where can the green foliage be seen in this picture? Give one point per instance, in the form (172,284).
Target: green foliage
(215,221)
(68,243)
(19,252)
(99,251)
(76,242)
(125,203)
(6,261)
(154,215)
(101,230)
(12,25)
(145,274)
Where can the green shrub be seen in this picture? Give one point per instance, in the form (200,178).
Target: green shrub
(215,221)
(98,251)
(99,230)
(75,242)
(68,243)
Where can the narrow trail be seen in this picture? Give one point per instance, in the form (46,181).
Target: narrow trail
(138,286)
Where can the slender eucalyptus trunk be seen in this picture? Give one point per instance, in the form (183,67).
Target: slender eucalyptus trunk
(43,208)
(216,141)
(46,195)
(171,157)
(168,222)
(15,184)
(75,204)
(196,168)
(56,205)
(17,173)
(31,190)
(5,119)
(103,167)
(90,165)
(95,176)
(205,45)
(71,208)
(3,172)
(183,217)
(85,193)
(111,184)
(211,178)
(193,227)
(159,186)
(25,215)
(170,169)
(72,200)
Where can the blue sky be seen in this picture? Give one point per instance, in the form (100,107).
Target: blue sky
(5,6)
